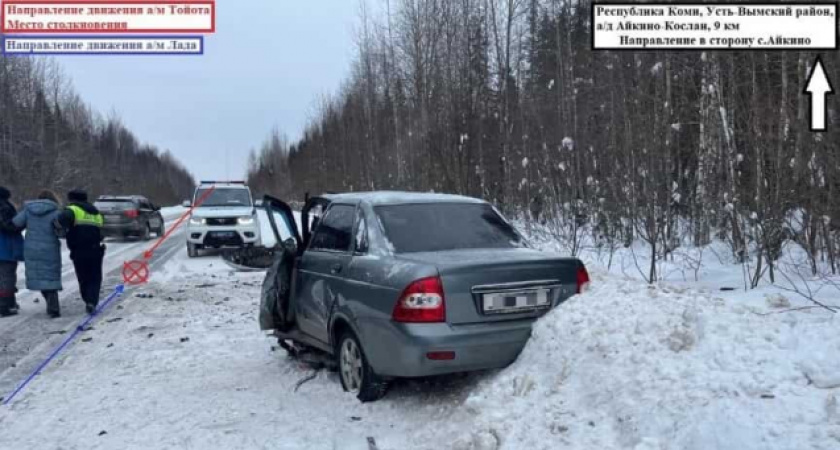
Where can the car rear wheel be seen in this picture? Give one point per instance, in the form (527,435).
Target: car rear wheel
(147,232)
(357,377)
(161,229)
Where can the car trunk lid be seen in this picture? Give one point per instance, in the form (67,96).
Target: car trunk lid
(499,285)
(115,212)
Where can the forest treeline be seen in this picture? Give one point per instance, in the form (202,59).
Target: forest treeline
(506,100)
(49,139)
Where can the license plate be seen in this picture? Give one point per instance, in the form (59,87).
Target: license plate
(224,234)
(514,302)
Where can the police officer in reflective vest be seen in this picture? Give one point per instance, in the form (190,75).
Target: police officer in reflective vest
(83,224)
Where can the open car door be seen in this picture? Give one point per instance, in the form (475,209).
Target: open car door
(284,226)
(281,241)
(286,245)
(282,231)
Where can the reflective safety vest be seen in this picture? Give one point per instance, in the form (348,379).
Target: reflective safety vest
(82,217)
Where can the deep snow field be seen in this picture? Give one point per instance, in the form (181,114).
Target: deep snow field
(181,363)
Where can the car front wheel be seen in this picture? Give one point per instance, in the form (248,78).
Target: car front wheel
(192,250)
(357,377)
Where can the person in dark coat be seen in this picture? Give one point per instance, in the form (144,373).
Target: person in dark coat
(83,223)
(11,252)
(42,249)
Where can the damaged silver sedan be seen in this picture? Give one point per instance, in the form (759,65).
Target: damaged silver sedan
(395,285)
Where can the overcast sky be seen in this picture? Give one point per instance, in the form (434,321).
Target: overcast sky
(266,65)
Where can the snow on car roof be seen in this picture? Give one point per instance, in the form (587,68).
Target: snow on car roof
(224,186)
(120,198)
(398,197)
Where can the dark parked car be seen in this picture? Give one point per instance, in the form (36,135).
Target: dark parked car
(130,216)
(407,285)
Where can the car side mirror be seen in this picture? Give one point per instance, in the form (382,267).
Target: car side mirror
(186,204)
(259,203)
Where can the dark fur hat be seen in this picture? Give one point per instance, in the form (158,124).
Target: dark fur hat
(77,195)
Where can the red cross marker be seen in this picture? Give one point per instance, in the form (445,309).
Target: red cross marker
(135,272)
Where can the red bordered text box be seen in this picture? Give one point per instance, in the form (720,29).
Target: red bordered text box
(89,3)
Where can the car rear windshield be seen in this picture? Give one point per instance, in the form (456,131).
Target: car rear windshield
(224,197)
(115,205)
(446,226)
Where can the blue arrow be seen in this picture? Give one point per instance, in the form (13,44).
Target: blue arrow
(118,291)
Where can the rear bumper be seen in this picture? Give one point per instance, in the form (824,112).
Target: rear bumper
(400,350)
(122,229)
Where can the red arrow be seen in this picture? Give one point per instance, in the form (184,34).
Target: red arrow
(150,252)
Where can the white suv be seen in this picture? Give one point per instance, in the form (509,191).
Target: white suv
(225,218)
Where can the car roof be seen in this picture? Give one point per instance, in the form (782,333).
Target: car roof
(400,197)
(224,186)
(126,198)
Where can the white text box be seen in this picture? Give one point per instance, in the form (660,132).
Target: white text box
(714,26)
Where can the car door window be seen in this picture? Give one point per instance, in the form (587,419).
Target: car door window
(311,215)
(334,233)
(278,215)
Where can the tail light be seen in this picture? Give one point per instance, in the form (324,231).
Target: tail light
(421,302)
(132,213)
(440,356)
(582,279)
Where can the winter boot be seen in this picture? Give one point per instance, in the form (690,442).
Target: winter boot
(53,307)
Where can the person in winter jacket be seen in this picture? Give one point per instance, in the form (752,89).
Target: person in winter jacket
(11,252)
(83,223)
(42,249)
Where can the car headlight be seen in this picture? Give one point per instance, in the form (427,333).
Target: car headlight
(246,221)
(198,221)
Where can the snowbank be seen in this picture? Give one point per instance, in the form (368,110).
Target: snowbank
(644,367)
